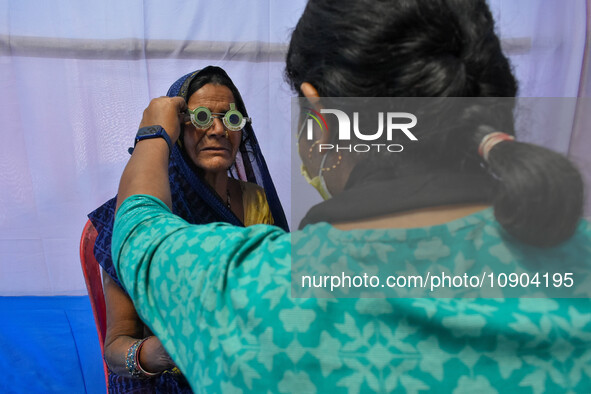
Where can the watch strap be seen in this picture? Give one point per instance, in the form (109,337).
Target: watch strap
(149,132)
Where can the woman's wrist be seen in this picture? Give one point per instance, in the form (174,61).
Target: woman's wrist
(132,361)
(153,358)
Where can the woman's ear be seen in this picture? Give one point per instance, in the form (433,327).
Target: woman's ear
(310,92)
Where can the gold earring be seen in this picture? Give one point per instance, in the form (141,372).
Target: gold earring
(340,157)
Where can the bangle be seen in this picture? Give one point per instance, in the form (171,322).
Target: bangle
(132,361)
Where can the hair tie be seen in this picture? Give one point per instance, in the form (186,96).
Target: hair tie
(491,140)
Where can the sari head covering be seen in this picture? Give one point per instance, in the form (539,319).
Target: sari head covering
(192,198)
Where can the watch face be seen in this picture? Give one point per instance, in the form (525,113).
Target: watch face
(154,131)
(145,131)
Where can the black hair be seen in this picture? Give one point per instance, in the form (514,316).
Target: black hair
(440,48)
(216,76)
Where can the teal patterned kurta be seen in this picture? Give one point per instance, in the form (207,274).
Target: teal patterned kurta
(219,298)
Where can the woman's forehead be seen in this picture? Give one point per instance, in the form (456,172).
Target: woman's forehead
(212,96)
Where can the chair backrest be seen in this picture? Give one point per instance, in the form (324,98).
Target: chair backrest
(94,285)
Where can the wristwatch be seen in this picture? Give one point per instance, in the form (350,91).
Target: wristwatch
(155,131)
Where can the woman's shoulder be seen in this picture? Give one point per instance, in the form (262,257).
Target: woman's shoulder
(582,235)
(253,193)
(256,207)
(102,219)
(250,187)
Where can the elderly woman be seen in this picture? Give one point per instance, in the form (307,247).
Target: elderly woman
(465,194)
(217,141)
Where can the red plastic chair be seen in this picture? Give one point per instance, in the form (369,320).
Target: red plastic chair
(94,285)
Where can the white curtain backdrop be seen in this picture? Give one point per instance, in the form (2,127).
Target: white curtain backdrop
(76,76)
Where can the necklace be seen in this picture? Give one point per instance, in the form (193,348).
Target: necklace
(228,198)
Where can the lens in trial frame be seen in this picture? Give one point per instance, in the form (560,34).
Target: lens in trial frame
(201,117)
(233,120)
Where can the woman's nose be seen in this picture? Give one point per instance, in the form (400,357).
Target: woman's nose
(217,128)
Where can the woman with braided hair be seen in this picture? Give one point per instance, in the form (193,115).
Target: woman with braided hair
(465,198)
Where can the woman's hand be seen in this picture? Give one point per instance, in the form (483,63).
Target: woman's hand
(153,357)
(124,327)
(147,169)
(167,112)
